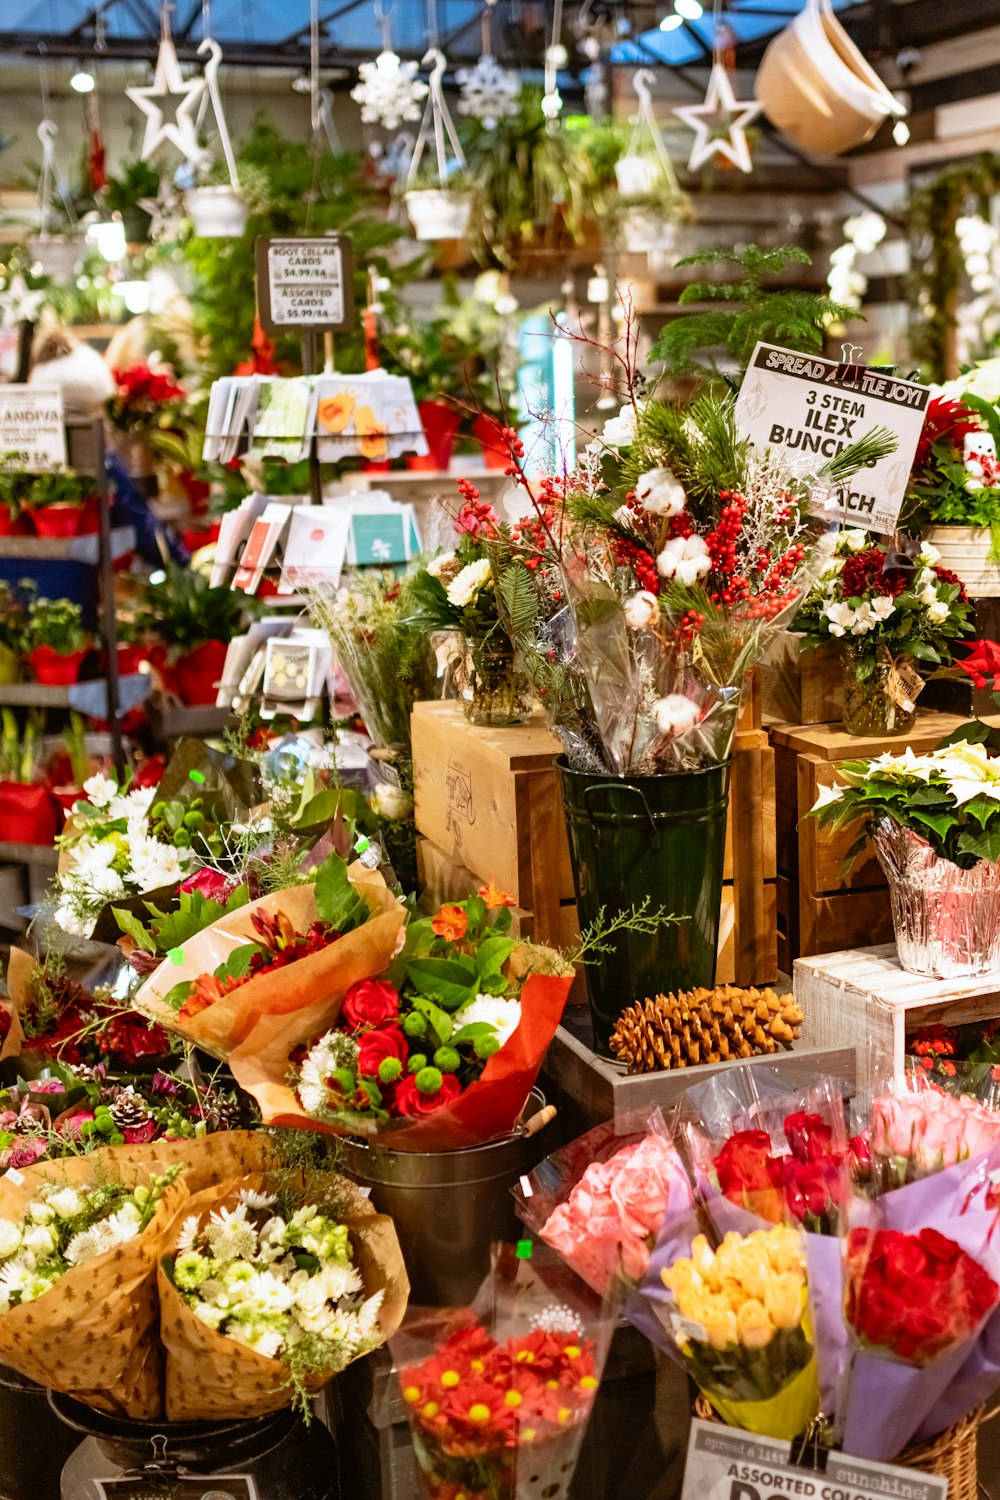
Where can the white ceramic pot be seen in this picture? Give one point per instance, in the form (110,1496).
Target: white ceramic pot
(59,255)
(438,213)
(216,212)
(965,550)
(636,176)
(815,85)
(646,231)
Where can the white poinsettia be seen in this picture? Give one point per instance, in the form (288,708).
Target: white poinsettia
(826,795)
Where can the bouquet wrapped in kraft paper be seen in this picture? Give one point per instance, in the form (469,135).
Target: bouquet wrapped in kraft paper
(204,1161)
(93,1333)
(272,1284)
(218,987)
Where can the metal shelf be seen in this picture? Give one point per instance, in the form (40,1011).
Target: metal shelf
(89,698)
(84,549)
(171,721)
(29,854)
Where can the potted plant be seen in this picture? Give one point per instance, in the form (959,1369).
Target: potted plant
(13,490)
(62,504)
(29,813)
(56,641)
(196,623)
(124,193)
(935,823)
(219,207)
(439,356)
(890,615)
(13,621)
(439,209)
(954,491)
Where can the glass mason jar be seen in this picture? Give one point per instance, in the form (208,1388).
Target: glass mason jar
(868,708)
(496,689)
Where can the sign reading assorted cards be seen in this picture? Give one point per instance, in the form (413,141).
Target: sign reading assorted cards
(32,433)
(810,409)
(304,283)
(725,1463)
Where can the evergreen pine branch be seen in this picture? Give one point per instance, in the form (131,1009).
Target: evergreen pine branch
(517,600)
(875,445)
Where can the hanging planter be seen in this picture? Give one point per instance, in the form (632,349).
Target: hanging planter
(58,255)
(636,175)
(647,183)
(647,231)
(437,212)
(815,85)
(216,212)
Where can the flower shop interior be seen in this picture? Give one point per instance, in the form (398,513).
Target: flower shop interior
(499,749)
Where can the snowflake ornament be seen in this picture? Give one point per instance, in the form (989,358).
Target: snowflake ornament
(389,92)
(488,92)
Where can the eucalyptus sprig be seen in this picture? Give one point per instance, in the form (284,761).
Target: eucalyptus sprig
(597,940)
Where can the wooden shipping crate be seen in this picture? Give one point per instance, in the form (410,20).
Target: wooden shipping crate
(862,998)
(801,687)
(821,909)
(488,803)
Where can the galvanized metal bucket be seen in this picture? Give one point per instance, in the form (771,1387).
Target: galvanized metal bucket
(285,1459)
(449,1206)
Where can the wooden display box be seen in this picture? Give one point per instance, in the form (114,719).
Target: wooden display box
(593,1089)
(801,687)
(861,998)
(488,803)
(821,910)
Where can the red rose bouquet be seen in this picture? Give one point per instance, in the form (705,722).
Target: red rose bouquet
(440,1052)
(499,1394)
(216,988)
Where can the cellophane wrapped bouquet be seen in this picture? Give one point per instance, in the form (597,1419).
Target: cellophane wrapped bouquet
(643,587)
(499,1394)
(439,1050)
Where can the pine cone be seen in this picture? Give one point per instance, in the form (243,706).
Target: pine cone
(128,1110)
(704,1026)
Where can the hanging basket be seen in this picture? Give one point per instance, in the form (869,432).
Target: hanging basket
(216,212)
(815,85)
(59,255)
(646,231)
(438,213)
(636,175)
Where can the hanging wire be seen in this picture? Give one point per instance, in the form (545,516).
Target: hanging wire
(431,21)
(383,17)
(486,23)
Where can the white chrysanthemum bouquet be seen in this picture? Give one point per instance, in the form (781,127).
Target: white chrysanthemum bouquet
(265,1298)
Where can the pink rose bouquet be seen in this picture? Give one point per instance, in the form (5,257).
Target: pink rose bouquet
(600,1203)
(919,1131)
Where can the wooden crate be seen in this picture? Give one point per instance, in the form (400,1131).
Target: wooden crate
(801,687)
(821,909)
(488,803)
(598,1089)
(862,998)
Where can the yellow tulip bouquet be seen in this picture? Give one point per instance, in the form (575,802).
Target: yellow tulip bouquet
(740,1319)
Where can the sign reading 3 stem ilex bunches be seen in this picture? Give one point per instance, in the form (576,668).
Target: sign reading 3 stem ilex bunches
(726,1463)
(809,409)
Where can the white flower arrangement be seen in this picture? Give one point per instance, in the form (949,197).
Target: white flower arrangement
(65,1227)
(466,585)
(274,1284)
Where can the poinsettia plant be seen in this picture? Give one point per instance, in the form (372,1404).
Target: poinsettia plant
(955,479)
(145,398)
(950,798)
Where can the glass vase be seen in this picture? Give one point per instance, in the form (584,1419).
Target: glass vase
(496,689)
(868,709)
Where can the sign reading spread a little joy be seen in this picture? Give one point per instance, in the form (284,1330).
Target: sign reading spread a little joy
(809,409)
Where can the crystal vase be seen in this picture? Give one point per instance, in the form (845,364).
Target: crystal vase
(496,690)
(947,919)
(868,709)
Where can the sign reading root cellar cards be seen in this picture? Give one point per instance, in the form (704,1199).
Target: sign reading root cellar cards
(725,1463)
(32,434)
(304,283)
(809,409)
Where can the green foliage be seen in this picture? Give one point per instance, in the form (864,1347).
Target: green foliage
(751,312)
(337,901)
(185,611)
(57,623)
(936,262)
(137,180)
(167,930)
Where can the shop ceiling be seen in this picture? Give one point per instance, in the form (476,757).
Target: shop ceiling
(275,33)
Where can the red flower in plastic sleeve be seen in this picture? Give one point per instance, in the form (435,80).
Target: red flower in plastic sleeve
(451,922)
(411,1101)
(369,1003)
(378,1045)
(749,1175)
(914,1294)
(25,1153)
(809,1136)
(208,883)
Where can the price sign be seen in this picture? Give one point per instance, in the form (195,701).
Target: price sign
(304,283)
(154,1487)
(809,409)
(32,434)
(725,1463)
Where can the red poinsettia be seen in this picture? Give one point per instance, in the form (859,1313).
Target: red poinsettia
(944,419)
(141,387)
(982,664)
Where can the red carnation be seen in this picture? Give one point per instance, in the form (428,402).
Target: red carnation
(409,1101)
(369,1003)
(375,1046)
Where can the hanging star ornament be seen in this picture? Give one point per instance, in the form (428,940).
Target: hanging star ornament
(720,123)
(19,303)
(169,104)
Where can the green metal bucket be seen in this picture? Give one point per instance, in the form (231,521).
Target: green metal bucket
(661,837)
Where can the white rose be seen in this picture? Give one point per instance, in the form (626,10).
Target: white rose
(685,558)
(466,585)
(927,594)
(675,713)
(938,612)
(66,1202)
(619,432)
(10,1238)
(41,1213)
(929,554)
(39,1240)
(391,802)
(641,610)
(660,493)
(854,540)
